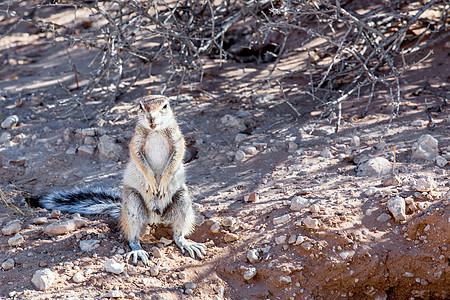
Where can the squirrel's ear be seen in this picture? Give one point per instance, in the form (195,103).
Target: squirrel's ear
(141,106)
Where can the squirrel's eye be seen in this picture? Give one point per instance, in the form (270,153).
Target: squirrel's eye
(165,106)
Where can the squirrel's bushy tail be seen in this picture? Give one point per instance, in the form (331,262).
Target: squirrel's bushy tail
(84,200)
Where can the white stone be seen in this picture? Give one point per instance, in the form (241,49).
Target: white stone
(250,150)
(374,166)
(228,221)
(86,149)
(12,227)
(425,184)
(239,155)
(154,271)
(282,219)
(397,207)
(64,226)
(292,239)
(114,267)
(300,239)
(231,237)
(10,122)
(40,220)
(78,277)
(298,203)
(314,208)
(5,137)
(215,227)
(418,123)
(280,239)
(326,153)
(164,241)
(89,132)
(285,279)
(346,254)
(371,191)
(156,252)
(89,245)
(292,146)
(252,256)
(311,223)
(16,240)
(249,273)
(43,279)
(8,264)
(426,148)
(441,161)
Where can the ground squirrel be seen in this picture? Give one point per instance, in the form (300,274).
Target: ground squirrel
(154,189)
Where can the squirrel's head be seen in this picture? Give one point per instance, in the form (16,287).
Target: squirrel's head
(155,112)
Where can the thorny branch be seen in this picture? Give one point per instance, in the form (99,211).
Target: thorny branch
(365,52)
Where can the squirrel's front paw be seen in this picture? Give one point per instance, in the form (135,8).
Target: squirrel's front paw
(163,190)
(150,187)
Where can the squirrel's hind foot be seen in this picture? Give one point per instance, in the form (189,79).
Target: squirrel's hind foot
(193,248)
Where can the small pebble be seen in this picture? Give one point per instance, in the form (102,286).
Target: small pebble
(314,208)
(228,221)
(418,123)
(251,197)
(16,240)
(249,273)
(12,227)
(441,161)
(240,155)
(154,271)
(250,150)
(10,122)
(281,220)
(40,220)
(114,267)
(182,276)
(89,245)
(311,223)
(300,239)
(78,277)
(285,279)
(326,153)
(425,184)
(215,227)
(298,203)
(231,237)
(8,264)
(397,207)
(43,279)
(252,256)
(280,239)
(156,253)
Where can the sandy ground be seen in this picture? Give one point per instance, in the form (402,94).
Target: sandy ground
(353,247)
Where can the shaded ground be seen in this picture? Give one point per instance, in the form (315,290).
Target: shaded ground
(351,255)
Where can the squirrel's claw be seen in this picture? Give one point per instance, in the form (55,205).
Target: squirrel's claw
(142,254)
(192,248)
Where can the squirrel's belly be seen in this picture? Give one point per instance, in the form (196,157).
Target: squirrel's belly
(157,150)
